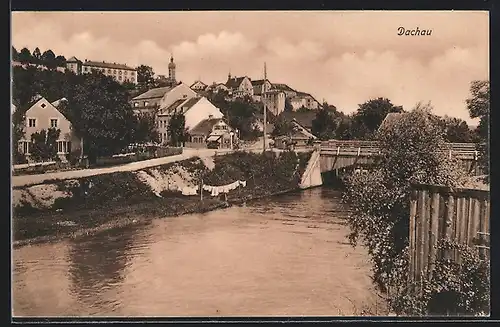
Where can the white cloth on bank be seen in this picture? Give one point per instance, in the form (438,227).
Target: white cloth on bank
(216,190)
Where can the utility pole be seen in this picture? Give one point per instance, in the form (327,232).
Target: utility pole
(265,107)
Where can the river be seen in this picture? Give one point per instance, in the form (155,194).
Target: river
(282,256)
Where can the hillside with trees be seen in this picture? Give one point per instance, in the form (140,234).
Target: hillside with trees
(97,107)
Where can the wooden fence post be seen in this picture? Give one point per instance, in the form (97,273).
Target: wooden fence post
(413,214)
(433,232)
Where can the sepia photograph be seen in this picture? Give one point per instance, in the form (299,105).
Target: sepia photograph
(250,164)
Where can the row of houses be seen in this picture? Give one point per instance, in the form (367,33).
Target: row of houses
(274,95)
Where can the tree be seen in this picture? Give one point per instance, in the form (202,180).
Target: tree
(146,132)
(48,59)
(323,126)
(15,54)
(344,128)
(36,56)
(43,145)
(455,130)
(282,127)
(25,56)
(61,61)
(380,199)
(288,105)
(99,110)
(370,115)
(145,78)
(478,105)
(177,129)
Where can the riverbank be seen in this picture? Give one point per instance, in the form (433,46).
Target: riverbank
(73,208)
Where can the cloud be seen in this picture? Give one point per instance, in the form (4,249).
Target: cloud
(345,58)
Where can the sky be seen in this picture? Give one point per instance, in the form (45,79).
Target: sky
(343,57)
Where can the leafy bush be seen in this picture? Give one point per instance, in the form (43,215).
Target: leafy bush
(410,153)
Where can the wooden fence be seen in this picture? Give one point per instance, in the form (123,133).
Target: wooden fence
(436,213)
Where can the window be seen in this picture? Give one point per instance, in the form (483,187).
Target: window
(24,147)
(132,73)
(43,105)
(32,122)
(126,72)
(145,102)
(184,96)
(63,147)
(53,122)
(120,78)
(120,72)
(136,104)
(109,70)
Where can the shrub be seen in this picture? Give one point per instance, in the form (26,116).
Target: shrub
(410,153)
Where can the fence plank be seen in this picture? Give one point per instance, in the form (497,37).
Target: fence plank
(438,212)
(433,230)
(413,231)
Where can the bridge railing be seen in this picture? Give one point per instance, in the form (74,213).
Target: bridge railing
(358,147)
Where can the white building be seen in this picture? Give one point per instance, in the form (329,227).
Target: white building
(120,72)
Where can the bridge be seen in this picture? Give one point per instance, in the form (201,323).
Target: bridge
(337,154)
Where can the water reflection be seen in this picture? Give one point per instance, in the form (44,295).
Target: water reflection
(97,266)
(279,256)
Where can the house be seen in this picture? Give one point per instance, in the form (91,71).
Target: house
(213,133)
(198,86)
(42,67)
(259,86)
(216,87)
(275,101)
(119,72)
(239,86)
(161,97)
(194,110)
(289,92)
(302,99)
(305,118)
(299,137)
(43,115)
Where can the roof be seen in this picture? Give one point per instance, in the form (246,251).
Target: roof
(304,94)
(283,87)
(213,138)
(58,102)
(303,118)
(171,109)
(73,59)
(158,92)
(107,65)
(390,119)
(196,82)
(259,82)
(234,82)
(205,126)
(302,131)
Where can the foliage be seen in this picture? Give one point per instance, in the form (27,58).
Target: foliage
(177,129)
(282,126)
(44,146)
(100,113)
(47,58)
(410,153)
(454,287)
(455,130)
(145,78)
(370,115)
(146,131)
(323,126)
(479,107)
(240,113)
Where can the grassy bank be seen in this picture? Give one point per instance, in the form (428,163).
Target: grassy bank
(71,208)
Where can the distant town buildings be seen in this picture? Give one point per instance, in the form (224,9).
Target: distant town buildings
(120,72)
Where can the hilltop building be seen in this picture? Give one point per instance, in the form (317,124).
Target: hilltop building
(120,72)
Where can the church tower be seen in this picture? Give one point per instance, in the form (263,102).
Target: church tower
(171,71)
